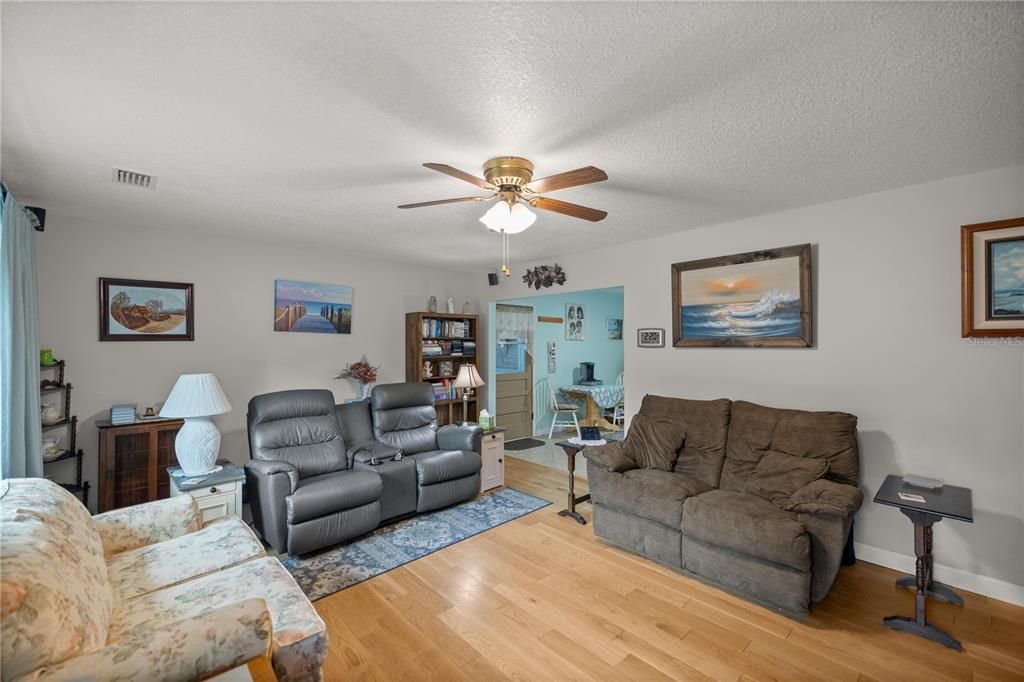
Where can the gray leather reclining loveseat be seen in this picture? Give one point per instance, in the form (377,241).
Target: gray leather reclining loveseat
(755,499)
(322,473)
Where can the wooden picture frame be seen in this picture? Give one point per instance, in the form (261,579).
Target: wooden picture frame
(744,300)
(978,291)
(157,312)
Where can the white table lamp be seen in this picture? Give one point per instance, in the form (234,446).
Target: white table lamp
(196,398)
(467,380)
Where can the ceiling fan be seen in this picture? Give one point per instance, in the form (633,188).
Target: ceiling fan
(510,179)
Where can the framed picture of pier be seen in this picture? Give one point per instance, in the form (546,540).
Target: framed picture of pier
(992,285)
(145,310)
(756,299)
(311,307)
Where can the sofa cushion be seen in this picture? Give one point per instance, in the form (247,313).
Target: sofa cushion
(649,493)
(653,443)
(55,599)
(326,494)
(404,416)
(748,524)
(224,542)
(756,429)
(706,423)
(299,638)
(298,427)
(445,465)
(778,475)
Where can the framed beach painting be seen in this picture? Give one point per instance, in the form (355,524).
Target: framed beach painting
(614,325)
(145,310)
(992,282)
(311,307)
(755,299)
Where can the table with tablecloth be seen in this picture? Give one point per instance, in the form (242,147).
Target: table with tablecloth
(597,399)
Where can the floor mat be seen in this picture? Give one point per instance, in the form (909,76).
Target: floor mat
(396,545)
(523,444)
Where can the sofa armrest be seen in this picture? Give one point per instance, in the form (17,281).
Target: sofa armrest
(146,524)
(612,457)
(269,467)
(826,497)
(452,437)
(191,649)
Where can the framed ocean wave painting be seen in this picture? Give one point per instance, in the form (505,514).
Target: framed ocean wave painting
(755,299)
(992,283)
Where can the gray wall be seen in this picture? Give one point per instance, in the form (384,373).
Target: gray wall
(888,349)
(234,308)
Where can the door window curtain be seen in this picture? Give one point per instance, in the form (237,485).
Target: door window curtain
(21,446)
(513,322)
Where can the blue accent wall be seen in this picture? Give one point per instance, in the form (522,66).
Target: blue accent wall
(596,347)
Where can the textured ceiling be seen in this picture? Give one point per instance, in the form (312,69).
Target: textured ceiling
(307,123)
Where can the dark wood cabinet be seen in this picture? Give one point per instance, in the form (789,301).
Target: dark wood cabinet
(134,460)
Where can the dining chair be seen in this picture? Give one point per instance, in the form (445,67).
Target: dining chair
(619,411)
(558,409)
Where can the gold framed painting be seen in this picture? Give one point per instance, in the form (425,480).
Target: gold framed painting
(755,299)
(992,279)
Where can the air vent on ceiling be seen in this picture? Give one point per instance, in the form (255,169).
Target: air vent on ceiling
(127,177)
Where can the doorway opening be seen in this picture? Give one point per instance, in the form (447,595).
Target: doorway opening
(558,367)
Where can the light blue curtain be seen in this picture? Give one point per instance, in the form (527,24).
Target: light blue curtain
(21,446)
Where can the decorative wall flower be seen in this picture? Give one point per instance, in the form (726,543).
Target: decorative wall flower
(544,276)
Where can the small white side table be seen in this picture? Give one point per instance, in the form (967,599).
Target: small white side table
(492,455)
(219,494)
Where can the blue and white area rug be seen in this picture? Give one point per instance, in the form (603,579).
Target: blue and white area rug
(398,544)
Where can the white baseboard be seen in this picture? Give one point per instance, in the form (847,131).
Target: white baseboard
(955,577)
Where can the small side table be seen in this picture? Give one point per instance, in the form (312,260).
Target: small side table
(950,502)
(570,451)
(492,457)
(219,494)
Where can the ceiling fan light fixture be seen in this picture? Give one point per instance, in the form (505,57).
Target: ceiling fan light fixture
(508,219)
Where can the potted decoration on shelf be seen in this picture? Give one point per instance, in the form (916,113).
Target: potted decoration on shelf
(362,372)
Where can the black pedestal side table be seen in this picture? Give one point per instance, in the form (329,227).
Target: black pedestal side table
(570,451)
(947,502)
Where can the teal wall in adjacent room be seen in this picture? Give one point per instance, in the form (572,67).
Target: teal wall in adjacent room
(596,347)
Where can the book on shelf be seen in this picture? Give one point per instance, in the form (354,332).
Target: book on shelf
(442,389)
(434,328)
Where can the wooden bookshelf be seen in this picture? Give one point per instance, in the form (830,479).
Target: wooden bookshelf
(449,410)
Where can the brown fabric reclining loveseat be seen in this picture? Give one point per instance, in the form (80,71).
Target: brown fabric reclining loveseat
(719,514)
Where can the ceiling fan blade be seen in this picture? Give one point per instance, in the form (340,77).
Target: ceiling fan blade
(580,176)
(461,175)
(443,201)
(574,210)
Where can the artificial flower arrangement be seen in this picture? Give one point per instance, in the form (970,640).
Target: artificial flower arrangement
(363,372)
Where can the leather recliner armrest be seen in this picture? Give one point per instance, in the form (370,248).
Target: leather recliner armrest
(365,452)
(611,456)
(453,437)
(269,467)
(826,497)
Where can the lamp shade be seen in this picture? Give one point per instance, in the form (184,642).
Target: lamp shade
(510,219)
(196,395)
(468,377)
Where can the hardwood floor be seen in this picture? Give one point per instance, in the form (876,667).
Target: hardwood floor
(540,598)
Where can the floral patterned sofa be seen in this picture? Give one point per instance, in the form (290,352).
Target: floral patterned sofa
(142,593)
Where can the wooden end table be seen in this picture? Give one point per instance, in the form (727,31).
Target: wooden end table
(948,502)
(570,451)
